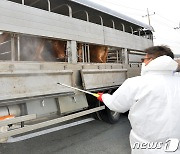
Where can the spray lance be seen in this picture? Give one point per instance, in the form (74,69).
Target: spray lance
(87,92)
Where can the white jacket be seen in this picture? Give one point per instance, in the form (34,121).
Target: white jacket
(153,101)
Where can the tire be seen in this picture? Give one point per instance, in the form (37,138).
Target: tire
(104,115)
(107,115)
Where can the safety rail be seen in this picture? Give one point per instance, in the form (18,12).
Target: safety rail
(17,119)
(48,123)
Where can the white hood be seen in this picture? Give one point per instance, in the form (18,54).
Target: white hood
(162,63)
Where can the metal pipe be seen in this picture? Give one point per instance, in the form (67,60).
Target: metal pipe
(83,52)
(84,91)
(126,56)
(123,27)
(88,53)
(101,19)
(70,10)
(49,6)
(117,55)
(18,47)
(69,53)
(12,48)
(131,29)
(113,24)
(87,16)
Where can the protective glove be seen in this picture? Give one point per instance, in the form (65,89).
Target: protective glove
(100,97)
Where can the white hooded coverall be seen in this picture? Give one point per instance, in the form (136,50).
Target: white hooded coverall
(153,101)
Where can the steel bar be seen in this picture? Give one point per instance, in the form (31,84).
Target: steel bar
(87,92)
(49,123)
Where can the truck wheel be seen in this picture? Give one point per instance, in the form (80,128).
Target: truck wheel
(108,116)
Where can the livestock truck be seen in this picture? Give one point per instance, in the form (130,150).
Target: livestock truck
(74,42)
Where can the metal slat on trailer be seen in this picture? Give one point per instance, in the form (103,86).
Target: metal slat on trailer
(22,84)
(96,79)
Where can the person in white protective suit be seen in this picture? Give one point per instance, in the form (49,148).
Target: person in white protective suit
(153,101)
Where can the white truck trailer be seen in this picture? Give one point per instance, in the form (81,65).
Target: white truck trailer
(32,62)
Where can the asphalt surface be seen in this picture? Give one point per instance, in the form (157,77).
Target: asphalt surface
(95,137)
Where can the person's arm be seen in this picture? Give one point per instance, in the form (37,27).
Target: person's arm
(122,98)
